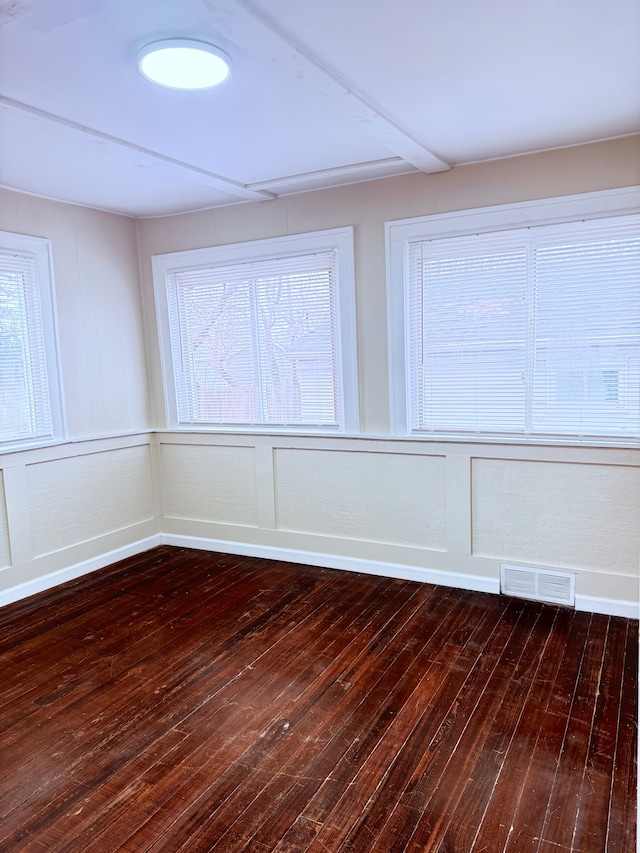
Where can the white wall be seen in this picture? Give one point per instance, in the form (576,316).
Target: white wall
(100,320)
(437,511)
(71,507)
(442,511)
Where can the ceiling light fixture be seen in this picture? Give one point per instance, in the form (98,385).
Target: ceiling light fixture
(184,64)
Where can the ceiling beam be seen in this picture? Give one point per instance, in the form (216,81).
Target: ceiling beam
(338,176)
(242,24)
(201,176)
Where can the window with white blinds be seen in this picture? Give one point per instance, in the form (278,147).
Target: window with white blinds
(29,384)
(527,333)
(254,334)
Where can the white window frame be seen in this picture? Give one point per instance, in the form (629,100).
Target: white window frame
(398,235)
(338,239)
(40,251)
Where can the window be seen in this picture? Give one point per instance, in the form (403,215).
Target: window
(260,334)
(30,403)
(519,322)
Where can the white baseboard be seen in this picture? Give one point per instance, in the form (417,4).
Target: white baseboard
(475,583)
(608,606)
(40,584)
(334,561)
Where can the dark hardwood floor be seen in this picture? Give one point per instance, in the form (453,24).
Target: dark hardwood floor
(186,701)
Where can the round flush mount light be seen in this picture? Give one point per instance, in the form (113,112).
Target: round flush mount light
(184,64)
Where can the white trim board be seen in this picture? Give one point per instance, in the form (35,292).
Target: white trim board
(48,581)
(608,606)
(474,583)
(337,561)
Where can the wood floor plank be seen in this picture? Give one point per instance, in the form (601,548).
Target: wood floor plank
(501,718)
(333,769)
(144,692)
(621,830)
(297,712)
(557,743)
(246,820)
(562,808)
(265,712)
(66,815)
(54,608)
(482,783)
(417,752)
(483,694)
(78,654)
(188,702)
(223,712)
(107,760)
(595,792)
(119,697)
(416,724)
(522,748)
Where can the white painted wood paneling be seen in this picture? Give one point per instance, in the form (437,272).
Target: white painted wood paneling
(209,483)
(102,339)
(99,308)
(79,498)
(394,498)
(5,549)
(557,514)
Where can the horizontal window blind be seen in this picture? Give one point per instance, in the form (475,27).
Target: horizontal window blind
(25,409)
(529,332)
(256,343)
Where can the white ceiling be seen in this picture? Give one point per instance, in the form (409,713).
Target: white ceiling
(322,92)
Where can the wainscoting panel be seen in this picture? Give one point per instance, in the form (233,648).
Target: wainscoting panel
(557,514)
(209,483)
(445,513)
(79,498)
(70,508)
(396,498)
(442,512)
